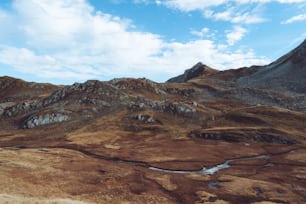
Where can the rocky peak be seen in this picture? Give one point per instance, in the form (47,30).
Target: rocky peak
(197,70)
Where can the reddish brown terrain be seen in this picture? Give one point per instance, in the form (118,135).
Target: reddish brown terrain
(207,136)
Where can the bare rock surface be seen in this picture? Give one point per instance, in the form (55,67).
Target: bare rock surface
(44,119)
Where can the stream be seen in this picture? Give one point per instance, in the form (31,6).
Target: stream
(214,169)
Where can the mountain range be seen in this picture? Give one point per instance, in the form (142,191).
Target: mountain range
(206,136)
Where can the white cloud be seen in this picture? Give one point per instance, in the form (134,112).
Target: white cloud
(68,39)
(215,55)
(235,35)
(235,11)
(158,2)
(234,16)
(301,17)
(238,11)
(26,61)
(291,1)
(268,1)
(203,32)
(190,5)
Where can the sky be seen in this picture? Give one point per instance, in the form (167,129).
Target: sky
(67,41)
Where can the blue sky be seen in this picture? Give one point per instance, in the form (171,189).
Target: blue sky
(64,41)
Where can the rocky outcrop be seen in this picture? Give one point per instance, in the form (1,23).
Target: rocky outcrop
(214,136)
(5,105)
(36,120)
(145,118)
(94,101)
(179,108)
(235,137)
(185,92)
(91,87)
(20,108)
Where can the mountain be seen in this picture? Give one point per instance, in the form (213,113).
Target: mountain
(206,136)
(281,83)
(197,70)
(288,73)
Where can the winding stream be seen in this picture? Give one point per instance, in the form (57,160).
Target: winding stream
(214,169)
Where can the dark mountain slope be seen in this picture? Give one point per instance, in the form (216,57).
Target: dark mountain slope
(288,73)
